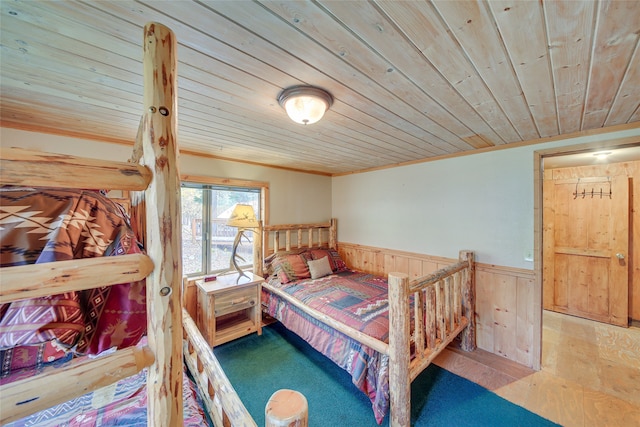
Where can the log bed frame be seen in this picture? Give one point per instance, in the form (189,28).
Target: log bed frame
(446,303)
(152,179)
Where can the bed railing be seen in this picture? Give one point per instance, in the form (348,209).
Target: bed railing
(220,399)
(443,307)
(28,168)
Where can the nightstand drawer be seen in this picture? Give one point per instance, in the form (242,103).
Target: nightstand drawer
(230,302)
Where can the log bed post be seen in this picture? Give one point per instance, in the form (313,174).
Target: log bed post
(333,234)
(468,336)
(399,349)
(162,205)
(257,250)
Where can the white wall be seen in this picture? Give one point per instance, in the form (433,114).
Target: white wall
(482,202)
(294,197)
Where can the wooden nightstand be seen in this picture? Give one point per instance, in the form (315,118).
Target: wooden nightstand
(229,308)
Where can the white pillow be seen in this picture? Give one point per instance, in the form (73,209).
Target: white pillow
(319,267)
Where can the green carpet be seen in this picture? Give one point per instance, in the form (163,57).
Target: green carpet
(257,366)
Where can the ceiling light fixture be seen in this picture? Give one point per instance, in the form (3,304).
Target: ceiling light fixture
(602,155)
(305,104)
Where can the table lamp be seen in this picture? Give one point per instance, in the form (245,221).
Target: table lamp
(244,219)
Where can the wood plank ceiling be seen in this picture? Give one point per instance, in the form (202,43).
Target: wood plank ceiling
(411,79)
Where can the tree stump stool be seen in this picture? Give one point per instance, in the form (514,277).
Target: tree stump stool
(286,408)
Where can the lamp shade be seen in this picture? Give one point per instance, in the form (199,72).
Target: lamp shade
(305,104)
(243,216)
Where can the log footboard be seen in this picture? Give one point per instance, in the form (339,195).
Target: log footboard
(220,399)
(443,308)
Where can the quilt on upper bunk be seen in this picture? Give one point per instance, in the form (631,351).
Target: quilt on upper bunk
(47,225)
(356,299)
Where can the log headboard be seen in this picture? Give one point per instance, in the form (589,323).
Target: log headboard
(286,237)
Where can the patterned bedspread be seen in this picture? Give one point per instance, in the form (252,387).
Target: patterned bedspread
(121,404)
(50,225)
(356,299)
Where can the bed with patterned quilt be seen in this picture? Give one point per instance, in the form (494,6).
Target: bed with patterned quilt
(368,325)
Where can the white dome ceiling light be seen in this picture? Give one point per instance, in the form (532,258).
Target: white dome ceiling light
(305,104)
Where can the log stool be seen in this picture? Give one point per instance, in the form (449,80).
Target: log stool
(286,408)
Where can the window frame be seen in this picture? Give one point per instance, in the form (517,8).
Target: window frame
(230,183)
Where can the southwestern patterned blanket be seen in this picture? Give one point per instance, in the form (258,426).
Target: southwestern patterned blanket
(47,225)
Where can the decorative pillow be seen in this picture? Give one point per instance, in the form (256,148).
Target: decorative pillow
(320,268)
(269,262)
(290,267)
(336,263)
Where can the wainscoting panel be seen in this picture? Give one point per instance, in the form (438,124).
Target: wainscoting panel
(504,296)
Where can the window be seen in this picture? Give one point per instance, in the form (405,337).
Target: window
(206,239)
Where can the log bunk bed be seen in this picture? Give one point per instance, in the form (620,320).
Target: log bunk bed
(152,179)
(415,333)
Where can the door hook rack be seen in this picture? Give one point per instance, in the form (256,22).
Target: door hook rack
(602,193)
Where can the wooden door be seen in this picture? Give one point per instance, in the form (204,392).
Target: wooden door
(585,247)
